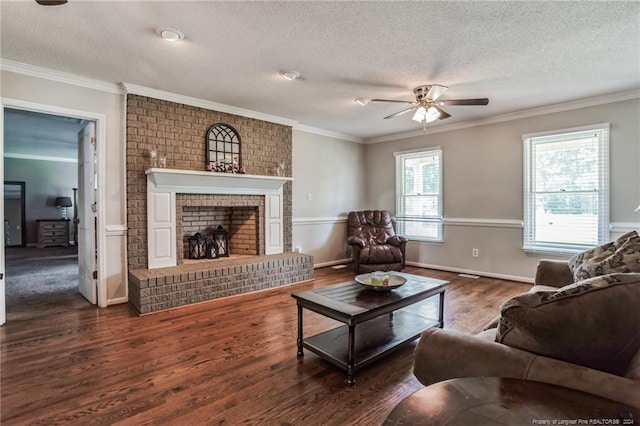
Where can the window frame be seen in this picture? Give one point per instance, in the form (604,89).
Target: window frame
(529,244)
(438,219)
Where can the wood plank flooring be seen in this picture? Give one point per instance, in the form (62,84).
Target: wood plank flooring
(226,362)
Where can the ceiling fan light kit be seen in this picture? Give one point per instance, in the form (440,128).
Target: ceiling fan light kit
(427,106)
(429,115)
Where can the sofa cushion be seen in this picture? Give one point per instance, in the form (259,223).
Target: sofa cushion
(621,255)
(594,323)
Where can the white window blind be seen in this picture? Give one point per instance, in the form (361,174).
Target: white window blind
(419,194)
(566,190)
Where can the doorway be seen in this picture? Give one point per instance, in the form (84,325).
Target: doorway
(49,260)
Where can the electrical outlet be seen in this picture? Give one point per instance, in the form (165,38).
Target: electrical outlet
(474,252)
(309,196)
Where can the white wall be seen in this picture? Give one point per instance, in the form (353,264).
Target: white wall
(29,89)
(483,186)
(328,182)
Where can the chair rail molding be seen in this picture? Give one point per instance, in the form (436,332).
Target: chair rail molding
(483,222)
(319,220)
(624,226)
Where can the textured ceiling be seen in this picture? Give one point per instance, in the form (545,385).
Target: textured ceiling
(518,54)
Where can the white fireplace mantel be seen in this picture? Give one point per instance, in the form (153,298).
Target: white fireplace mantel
(164,184)
(195,182)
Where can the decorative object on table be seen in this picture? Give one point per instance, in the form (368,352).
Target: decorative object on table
(153,158)
(221,241)
(63,202)
(381,281)
(162,161)
(223,149)
(197,246)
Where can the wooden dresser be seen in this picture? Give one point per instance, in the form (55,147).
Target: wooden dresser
(53,233)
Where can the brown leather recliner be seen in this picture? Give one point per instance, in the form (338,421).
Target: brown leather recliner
(376,247)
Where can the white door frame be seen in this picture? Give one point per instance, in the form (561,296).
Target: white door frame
(101,134)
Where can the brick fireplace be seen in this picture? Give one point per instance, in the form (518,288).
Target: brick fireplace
(158,276)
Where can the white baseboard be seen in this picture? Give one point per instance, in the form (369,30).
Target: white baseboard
(331,263)
(117,301)
(472,272)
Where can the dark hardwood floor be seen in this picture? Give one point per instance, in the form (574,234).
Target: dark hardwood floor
(226,362)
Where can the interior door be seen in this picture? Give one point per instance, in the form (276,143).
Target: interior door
(3,312)
(86,212)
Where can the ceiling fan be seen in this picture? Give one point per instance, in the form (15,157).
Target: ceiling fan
(51,2)
(427,106)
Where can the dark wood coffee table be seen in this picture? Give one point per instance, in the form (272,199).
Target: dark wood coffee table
(368,333)
(501,401)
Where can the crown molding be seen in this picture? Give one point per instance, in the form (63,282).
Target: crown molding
(59,76)
(123,88)
(328,133)
(533,112)
(40,158)
(135,89)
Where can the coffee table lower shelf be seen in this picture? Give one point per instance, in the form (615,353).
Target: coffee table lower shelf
(373,339)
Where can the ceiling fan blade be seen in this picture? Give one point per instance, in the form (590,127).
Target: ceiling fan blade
(479,101)
(404,111)
(51,2)
(443,114)
(436,91)
(391,100)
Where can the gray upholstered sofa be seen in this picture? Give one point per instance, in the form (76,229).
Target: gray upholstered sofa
(578,327)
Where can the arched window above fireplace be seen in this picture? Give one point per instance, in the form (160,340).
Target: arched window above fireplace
(223,145)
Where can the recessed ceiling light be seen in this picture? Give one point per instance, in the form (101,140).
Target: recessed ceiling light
(170,34)
(289,75)
(362,101)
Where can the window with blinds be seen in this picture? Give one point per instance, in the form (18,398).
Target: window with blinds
(566,190)
(419,194)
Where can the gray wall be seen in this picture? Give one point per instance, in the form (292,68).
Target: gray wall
(483,186)
(45,180)
(332,172)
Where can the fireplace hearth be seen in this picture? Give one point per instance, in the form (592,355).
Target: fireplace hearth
(152,290)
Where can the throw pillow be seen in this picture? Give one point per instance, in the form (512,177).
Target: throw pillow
(621,255)
(595,322)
